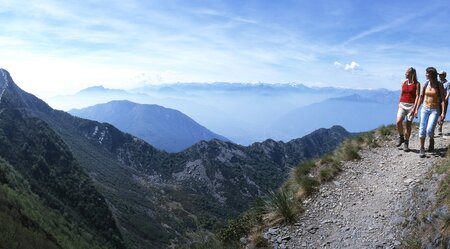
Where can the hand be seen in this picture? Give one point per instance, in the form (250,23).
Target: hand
(441,119)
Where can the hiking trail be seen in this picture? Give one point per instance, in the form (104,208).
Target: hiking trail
(371,203)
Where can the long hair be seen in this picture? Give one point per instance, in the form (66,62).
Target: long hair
(413,74)
(432,74)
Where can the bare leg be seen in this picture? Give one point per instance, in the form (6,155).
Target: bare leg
(401,137)
(431,146)
(400,126)
(408,129)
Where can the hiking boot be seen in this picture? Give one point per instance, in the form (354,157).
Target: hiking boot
(401,139)
(406,146)
(431,146)
(422,153)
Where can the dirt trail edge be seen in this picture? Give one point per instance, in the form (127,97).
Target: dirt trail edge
(372,203)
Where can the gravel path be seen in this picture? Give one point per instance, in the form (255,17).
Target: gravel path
(368,205)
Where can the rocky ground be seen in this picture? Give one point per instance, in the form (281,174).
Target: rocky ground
(373,203)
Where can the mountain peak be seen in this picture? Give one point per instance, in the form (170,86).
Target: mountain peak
(5,78)
(94,88)
(99,89)
(164,128)
(13,96)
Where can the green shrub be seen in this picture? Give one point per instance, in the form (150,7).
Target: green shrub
(308,185)
(282,202)
(368,139)
(349,151)
(260,242)
(302,169)
(208,242)
(445,222)
(386,131)
(412,243)
(443,193)
(235,229)
(331,161)
(328,158)
(328,173)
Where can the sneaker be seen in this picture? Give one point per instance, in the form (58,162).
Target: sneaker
(422,153)
(406,146)
(431,146)
(401,139)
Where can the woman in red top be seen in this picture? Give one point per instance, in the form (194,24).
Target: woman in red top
(409,98)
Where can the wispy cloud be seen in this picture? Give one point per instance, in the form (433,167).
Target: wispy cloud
(400,21)
(251,41)
(353,66)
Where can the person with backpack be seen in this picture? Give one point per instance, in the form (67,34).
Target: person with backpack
(446,86)
(409,98)
(432,95)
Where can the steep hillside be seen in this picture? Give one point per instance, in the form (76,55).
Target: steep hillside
(28,222)
(46,163)
(164,128)
(159,198)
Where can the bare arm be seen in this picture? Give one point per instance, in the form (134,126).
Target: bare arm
(419,103)
(401,91)
(447,95)
(416,101)
(441,93)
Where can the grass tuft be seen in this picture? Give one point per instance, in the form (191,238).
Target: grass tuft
(302,169)
(328,173)
(349,150)
(283,204)
(307,186)
(445,223)
(258,241)
(412,243)
(386,131)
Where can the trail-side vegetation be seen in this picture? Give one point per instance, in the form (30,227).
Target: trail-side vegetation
(56,181)
(433,228)
(26,222)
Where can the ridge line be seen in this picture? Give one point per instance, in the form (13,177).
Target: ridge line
(5,85)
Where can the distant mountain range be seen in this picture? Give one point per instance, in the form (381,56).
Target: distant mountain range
(69,182)
(164,128)
(354,112)
(247,113)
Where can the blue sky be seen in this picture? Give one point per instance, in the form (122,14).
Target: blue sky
(59,47)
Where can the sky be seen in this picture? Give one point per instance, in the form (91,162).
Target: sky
(60,47)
